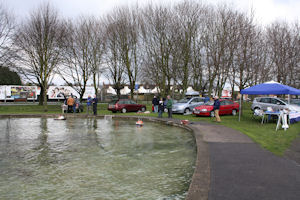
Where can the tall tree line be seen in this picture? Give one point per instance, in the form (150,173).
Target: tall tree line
(183,44)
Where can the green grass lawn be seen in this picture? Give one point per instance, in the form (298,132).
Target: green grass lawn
(264,134)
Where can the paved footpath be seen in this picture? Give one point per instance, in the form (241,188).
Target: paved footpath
(241,170)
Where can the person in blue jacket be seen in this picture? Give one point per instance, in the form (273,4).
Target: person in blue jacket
(89,104)
(217,108)
(206,99)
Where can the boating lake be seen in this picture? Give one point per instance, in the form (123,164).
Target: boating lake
(43,158)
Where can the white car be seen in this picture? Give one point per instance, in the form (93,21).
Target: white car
(185,106)
(262,103)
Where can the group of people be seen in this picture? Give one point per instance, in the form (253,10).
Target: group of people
(72,104)
(159,105)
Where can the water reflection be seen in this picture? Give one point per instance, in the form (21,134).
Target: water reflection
(43,148)
(93,158)
(6,139)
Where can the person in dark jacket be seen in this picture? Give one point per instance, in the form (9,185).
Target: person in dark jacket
(217,108)
(169,106)
(95,101)
(155,103)
(161,107)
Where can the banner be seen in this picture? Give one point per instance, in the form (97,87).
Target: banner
(11,92)
(26,92)
(2,92)
(60,92)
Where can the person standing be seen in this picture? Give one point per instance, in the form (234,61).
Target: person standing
(70,103)
(89,104)
(169,106)
(94,102)
(217,108)
(75,104)
(155,104)
(161,107)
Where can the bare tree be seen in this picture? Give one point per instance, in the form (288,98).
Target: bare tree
(7,27)
(158,43)
(294,65)
(283,45)
(127,33)
(198,78)
(97,50)
(81,54)
(38,41)
(219,46)
(186,23)
(115,68)
(245,54)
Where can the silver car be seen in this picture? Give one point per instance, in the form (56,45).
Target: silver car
(185,106)
(262,103)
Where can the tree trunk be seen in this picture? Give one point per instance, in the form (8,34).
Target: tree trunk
(118,93)
(45,99)
(96,85)
(132,88)
(41,97)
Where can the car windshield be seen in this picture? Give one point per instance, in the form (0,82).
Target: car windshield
(113,102)
(209,103)
(183,101)
(285,101)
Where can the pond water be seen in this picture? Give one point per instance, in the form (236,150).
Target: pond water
(43,158)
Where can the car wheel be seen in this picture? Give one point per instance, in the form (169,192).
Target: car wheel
(212,113)
(143,109)
(186,111)
(255,110)
(124,110)
(233,112)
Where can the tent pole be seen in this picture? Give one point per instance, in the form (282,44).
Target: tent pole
(241,96)
(289,98)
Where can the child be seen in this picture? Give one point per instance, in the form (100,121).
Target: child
(161,107)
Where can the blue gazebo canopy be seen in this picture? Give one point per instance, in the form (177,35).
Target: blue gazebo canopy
(270,88)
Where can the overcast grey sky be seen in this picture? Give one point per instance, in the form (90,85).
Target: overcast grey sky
(266,11)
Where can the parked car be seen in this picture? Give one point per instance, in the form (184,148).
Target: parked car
(226,107)
(187,105)
(295,101)
(125,105)
(262,103)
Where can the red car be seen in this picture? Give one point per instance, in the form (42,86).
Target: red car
(125,105)
(226,107)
